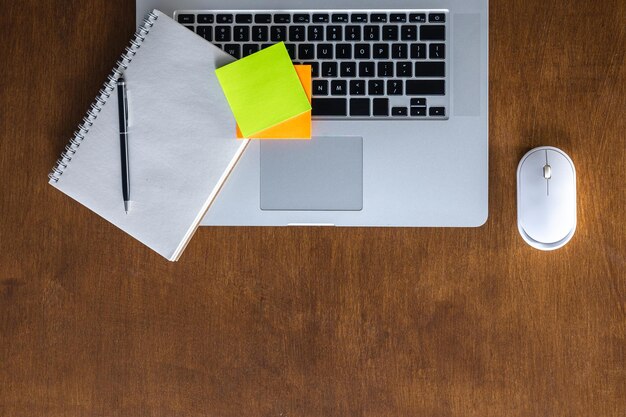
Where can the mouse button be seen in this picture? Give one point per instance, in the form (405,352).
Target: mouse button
(535,159)
(547,171)
(532,184)
(561,166)
(532,195)
(532,166)
(562,183)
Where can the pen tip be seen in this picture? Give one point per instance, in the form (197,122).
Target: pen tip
(126,206)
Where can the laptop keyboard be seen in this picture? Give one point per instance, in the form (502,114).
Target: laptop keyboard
(365,64)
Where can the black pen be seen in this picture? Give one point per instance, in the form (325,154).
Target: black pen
(122,105)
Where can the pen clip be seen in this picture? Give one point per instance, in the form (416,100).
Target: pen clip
(126,108)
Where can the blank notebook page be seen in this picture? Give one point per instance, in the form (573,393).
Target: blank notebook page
(181,142)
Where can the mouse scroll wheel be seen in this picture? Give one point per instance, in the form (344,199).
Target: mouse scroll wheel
(547,171)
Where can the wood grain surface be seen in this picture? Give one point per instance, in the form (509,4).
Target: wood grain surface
(292,322)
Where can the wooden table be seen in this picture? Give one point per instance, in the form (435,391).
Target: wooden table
(318,321)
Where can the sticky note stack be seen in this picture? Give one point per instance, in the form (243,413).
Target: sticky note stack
(269,96)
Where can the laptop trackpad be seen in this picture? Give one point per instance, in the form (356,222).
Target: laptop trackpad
(324,173)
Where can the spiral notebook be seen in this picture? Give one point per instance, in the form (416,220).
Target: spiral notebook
(181,140)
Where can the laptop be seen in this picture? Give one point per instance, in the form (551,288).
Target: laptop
(400,111)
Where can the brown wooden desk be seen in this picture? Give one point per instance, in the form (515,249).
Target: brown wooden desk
(318,322)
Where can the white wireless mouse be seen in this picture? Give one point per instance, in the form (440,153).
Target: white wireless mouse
(546,198)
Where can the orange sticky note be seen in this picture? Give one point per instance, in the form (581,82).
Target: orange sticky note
(298,127)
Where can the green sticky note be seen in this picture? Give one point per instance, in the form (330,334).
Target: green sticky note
(263,89)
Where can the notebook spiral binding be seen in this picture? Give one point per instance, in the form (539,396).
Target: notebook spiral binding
(101,98)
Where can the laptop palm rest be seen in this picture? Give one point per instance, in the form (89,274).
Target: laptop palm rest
(324,173)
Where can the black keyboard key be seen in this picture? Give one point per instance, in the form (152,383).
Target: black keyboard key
(320,18)
(329,69)
(282,18)
(224,18)
(362,51)
(315,69)
(378,18)
(437,51)
(418,111)
(395,88)
(359,107)
(425,87)
(366,69)
(408,33)
(390,33)
(267,45)
(320,87)
(206,32)
(381,107)
(432,33)
(278,33)
(404,69)
(296,33)
(347,69)
(241,33)
(437,17)
(338,87)
(306,51)
(418,51)
(381,51)
(385,69)
(353,33)
(243,18)
(222,34)
(376,87)
(371,33)
(190,27)
(430,69)
(316,33)
(399,51)
(437,111)
(417,17)
(291,49)
(205,18)
(259,33)
(186,18)
(233,49)
(334,33)
(263,18)
(357,87)
(329,107)
(325,51)
(301,18)
(359,18)
(340,18)
(399,111)
(418,102)
(250,48)
(343,51)
(397,17)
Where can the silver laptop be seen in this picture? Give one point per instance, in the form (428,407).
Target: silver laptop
(400,111)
